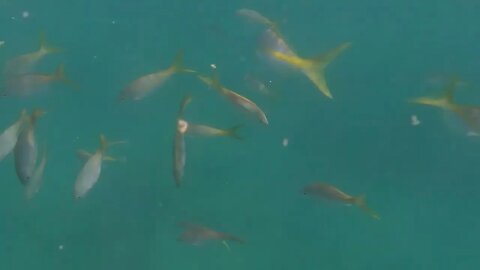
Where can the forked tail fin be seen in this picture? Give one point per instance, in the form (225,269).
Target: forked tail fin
(361,202)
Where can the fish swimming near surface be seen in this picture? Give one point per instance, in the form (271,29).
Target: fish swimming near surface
(470,114)
(242,102)
(28,84)
(26,149)
(179,147)
(327,191)
(25,63)
(92,168)
(9,137)
(196,234)
(35,183)
(145,85)
(314,68)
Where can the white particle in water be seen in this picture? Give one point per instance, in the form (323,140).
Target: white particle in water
(25,14)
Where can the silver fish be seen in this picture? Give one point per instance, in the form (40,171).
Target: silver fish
(37,178)
(9,138)
(26,149)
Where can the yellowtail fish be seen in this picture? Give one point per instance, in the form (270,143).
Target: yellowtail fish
(208,131)
(179,148)
(92,168)
(196,234)
(313,68)
(26,149)
(9,137)
(146,84)
(255,17)
(24,64)
(241,101)
(327,191)
(470,114)
(35,183)
(29,84)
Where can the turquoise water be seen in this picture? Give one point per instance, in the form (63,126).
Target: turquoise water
(422,180)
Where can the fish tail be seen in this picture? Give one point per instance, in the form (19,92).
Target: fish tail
(445,101)
(314,68)
(60,75)
(233,238)
(361,202)
(233,132)
(104,143)
(45,47)
(177,65)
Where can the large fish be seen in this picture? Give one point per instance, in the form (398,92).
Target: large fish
(26,149)
(9,138)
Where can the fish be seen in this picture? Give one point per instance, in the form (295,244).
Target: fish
(29,84)
(26,149)
(9,137)
(255,17)
(35,183)
(469,114)
(91,170)
(179,147)
(25,63)
(327,191)
(313,68)
(196,234)
(145,85)
(207,131)
(242,102)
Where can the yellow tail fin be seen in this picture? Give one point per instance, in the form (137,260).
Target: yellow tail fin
(177,65)
(361,202)
(104,143)
(45,47)
(316,70)
(445,101)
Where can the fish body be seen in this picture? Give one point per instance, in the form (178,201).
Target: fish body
(329,192)
(26,149)
(242,102)
(9,138)
(91,170)
(208,131)
(29,84)
(37,178)
(255,17)
(25,63)
(25,153)
(145,85)
(89,175)
(179,153)
(195,234)
(470,114)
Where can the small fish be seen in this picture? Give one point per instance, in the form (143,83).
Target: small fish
(24,64)
(146,84)
(196,234)
(37,178)
(470,114)
(29,84)
(208,131)
(255,17)
(327,191)
(241,101)
(8,139)
(26,149)
(179,148)
(92,168)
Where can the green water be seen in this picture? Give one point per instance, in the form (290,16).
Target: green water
(422,180)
